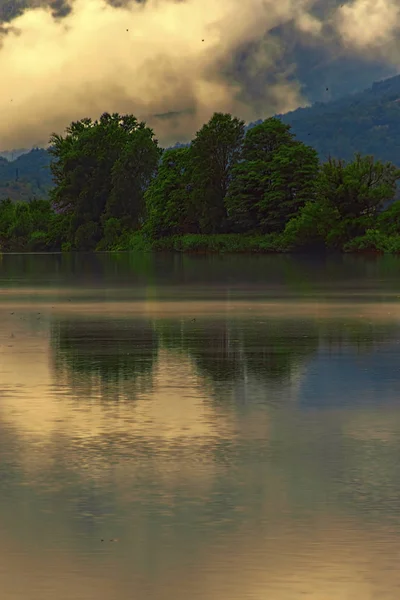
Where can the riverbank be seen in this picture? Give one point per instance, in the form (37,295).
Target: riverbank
(204,244)
(372,242)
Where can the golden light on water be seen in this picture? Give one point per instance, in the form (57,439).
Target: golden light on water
(189,441)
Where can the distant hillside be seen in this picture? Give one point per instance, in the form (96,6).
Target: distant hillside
(366,122)
(27,176)
(13,154)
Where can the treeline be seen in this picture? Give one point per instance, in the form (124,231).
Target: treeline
(231,189)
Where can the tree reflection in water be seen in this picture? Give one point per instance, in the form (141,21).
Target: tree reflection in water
(115,357)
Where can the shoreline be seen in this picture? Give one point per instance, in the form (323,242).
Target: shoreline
(231,243)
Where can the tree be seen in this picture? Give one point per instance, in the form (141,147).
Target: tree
(68,168)
(29,226)
(7,219)
(245,194)
(101,168)
(214,152)
(291,183)
(22,224)
(131,176)
(169,208)
(359,188)
(112,232)
(263,140)
(275,178)
(316,226)
(41,214)
(87,236)
(389,219)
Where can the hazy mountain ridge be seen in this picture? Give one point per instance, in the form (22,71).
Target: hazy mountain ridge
(27,176)
(366,122)
(11,155)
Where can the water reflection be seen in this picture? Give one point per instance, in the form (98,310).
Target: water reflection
(173,275)
(248,454)
(252,359)
(116,358)
(229,350)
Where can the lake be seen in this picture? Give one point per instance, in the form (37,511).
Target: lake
(197,428)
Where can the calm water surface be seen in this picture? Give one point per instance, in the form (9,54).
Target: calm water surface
(192,428)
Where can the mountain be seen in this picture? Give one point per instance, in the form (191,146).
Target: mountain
(12,154)
(27,176)
(366,122)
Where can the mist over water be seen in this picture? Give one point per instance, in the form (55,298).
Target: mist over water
(231,423)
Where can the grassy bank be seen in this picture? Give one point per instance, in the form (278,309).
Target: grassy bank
(373,241)
(204,244)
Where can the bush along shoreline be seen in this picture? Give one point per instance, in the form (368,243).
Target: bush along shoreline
(228,191)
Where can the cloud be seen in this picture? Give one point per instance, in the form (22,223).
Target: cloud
(171,63)
(372,26)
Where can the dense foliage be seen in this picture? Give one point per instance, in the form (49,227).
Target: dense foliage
(101,171)
(31,226)
(258,190)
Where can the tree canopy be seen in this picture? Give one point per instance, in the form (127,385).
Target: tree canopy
(101,170)
(274,179)
(214,152)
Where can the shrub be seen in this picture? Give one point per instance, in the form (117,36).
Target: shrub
(37,242)
(374,241)
(87,236)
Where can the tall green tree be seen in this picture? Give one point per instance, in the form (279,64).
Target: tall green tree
(215,150)
(131,176)
(169,206)
(292,179)
(246,191)
(100,170)
(70,167)
(358,188)
(263,140)
(275,178)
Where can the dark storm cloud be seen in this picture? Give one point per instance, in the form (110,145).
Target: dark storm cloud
(60,8)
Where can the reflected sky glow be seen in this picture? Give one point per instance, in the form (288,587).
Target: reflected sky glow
(250,453)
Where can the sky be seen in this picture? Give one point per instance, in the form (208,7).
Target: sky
(174,63)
